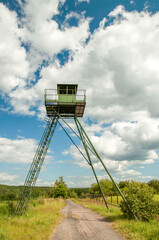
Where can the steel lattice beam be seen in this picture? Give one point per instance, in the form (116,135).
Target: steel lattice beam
(36,165)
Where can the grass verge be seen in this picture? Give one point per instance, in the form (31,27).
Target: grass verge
(130,229)
(38,223)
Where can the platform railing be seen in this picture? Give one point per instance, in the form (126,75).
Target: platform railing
(51,94)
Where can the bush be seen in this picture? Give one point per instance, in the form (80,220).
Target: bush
(60,191)
(72,194)
(140,198)
(106,185)
(155,185)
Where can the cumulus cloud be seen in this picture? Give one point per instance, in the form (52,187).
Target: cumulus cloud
(17,150)
(7,177)
(30,41)
(84,1)
(121,146)
(13,59)
(118,68)
(45,36)
(117,65)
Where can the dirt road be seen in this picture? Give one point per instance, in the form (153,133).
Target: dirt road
(80,223)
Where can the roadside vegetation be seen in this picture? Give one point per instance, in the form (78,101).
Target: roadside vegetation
(43,213)
(11,193)
(144,204)
(38,223)
(131,229)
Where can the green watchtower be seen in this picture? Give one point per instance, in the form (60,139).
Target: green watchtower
(66,100)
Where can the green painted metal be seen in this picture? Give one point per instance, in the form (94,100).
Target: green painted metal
(65,100)
(97,155)
(62,104)
(67,93)
(89,146)
(80,130)
(36,166)
(74,143)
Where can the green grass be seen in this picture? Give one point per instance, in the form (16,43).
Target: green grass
(130,229)
(38,223)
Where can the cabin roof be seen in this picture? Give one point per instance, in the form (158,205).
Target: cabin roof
(67,84)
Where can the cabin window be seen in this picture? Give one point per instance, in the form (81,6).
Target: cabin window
(71,89)
(67,89)
(63,89)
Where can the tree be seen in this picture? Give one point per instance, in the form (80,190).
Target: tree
(140,198)
(60,189)
(60,181)
(155,185)
(106,185)
(72,194)
(123,185)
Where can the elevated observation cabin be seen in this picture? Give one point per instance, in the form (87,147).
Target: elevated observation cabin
(67,100)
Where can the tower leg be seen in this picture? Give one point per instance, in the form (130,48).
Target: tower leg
(80,130)
(36,166)
(93,150)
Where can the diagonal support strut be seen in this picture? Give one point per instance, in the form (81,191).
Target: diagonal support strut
(97,155)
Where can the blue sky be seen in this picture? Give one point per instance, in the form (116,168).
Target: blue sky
(108,48)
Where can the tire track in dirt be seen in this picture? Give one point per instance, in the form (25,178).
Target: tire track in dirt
(80,223)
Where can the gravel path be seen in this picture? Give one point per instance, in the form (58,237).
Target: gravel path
(80,223)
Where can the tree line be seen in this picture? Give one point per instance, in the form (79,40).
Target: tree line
(60,189)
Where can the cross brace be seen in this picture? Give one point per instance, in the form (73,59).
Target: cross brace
(40,155)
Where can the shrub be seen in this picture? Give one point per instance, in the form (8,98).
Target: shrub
(60,191)
(140,198)
(72,194)
(154,184)
(106,185)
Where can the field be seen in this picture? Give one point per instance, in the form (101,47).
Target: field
(43,215)
(38,223)
(131,229)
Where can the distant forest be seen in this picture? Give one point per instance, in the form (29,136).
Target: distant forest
(12,193)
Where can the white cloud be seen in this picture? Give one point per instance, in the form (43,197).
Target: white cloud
(84,1)
(44,35)
(17,150)
(13,59)
(118,67)
(130,173)
(20,150)
(41,182)
(44,39)
(121,146)
(7,177)
(121,58)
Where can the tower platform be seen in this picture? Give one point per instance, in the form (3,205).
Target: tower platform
(67,100)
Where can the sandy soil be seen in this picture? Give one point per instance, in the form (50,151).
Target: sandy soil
(80,223)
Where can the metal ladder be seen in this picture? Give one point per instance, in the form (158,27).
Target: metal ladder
(36,165)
